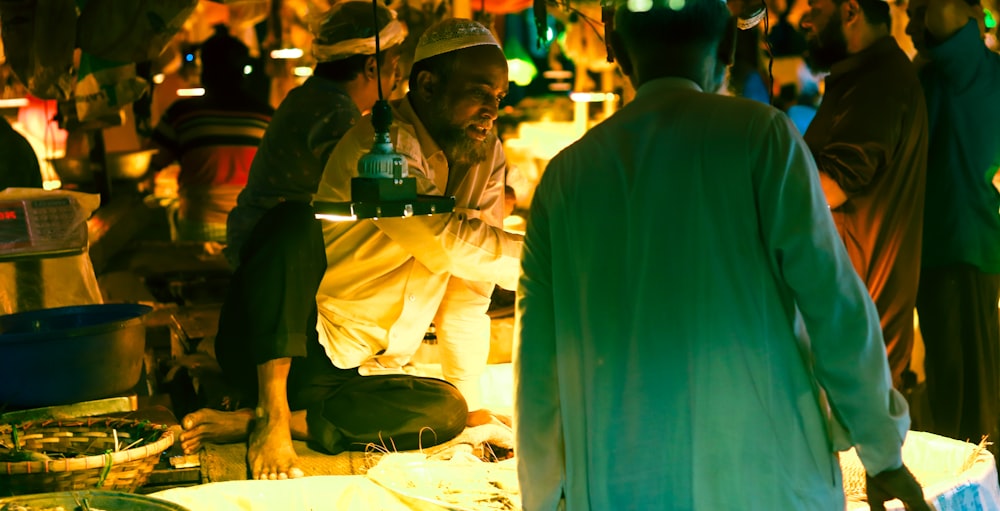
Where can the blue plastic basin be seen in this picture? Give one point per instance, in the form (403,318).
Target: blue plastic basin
(70,354)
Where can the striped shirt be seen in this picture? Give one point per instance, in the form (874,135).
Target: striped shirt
(214,140)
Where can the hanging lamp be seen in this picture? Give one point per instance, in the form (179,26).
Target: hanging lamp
(383,187)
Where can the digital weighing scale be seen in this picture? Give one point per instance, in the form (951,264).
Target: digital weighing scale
(38,227)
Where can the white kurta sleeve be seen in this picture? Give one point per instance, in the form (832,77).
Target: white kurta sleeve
(463,334)
(845,336)
(459,243)
(538,426)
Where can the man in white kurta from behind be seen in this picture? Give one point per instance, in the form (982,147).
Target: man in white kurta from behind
(684,298)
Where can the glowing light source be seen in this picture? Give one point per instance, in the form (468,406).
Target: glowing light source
(13,102)
(287,53)
(520,68)
(592,97)
(191,93)
(247,69)
(640,5)
(558,74)
(303,71)
(521,72)
(331,217)
(158,78)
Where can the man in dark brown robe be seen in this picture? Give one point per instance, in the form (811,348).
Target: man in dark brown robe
(869,138)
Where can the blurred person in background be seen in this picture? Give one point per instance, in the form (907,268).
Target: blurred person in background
(214,139)
(960,274)
(661,361)
(18,162)
(314,116)
(869,139)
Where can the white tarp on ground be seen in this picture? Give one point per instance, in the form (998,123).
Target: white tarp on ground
(956,476)
(343,493)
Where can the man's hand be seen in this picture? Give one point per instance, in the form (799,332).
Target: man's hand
(895,484)
(835,195)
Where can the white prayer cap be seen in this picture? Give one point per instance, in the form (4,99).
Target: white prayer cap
(450,35)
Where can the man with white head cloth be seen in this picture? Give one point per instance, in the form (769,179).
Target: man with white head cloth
(340,379)
(312,118)
(685,297)
(272,292)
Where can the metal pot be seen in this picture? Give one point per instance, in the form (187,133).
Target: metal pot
(123,166)
(96,499)
(70,354)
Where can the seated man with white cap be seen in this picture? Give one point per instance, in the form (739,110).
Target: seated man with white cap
(346,384)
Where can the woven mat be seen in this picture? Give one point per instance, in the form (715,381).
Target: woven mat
(228,462)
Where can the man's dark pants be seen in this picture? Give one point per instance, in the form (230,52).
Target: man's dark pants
(270,313)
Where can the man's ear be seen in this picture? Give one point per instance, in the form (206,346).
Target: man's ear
(371,68)
(850,11)
(427,84)
(726,52)
(620,54)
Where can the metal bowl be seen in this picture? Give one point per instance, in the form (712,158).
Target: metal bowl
(70,354)
(123,166)
(96,499)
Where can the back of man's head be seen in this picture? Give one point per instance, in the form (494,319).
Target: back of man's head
(652,26)
(223,58)
(877,12)
(344,37)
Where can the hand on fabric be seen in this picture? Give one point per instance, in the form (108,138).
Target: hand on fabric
(895,484)
(484,416)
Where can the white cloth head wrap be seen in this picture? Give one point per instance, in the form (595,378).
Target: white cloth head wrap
(392,33)
(450,35)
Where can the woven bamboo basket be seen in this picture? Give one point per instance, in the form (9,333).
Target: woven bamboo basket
(93,453)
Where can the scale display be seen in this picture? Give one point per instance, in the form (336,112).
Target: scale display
(14,227)
(41,228)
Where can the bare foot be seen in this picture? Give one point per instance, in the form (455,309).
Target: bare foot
(270,453)
(214,426)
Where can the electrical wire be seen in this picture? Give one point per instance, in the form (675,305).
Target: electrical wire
(378,63)
(770,55)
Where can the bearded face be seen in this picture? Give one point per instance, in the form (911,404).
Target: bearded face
(453,136)
(462,103)
(826,43)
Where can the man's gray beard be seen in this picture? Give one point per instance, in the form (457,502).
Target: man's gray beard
(461,150)
(458,147)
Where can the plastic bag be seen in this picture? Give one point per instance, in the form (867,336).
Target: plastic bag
(247,13)
(52,281)
(38,39)
(105,87)
(130,31)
